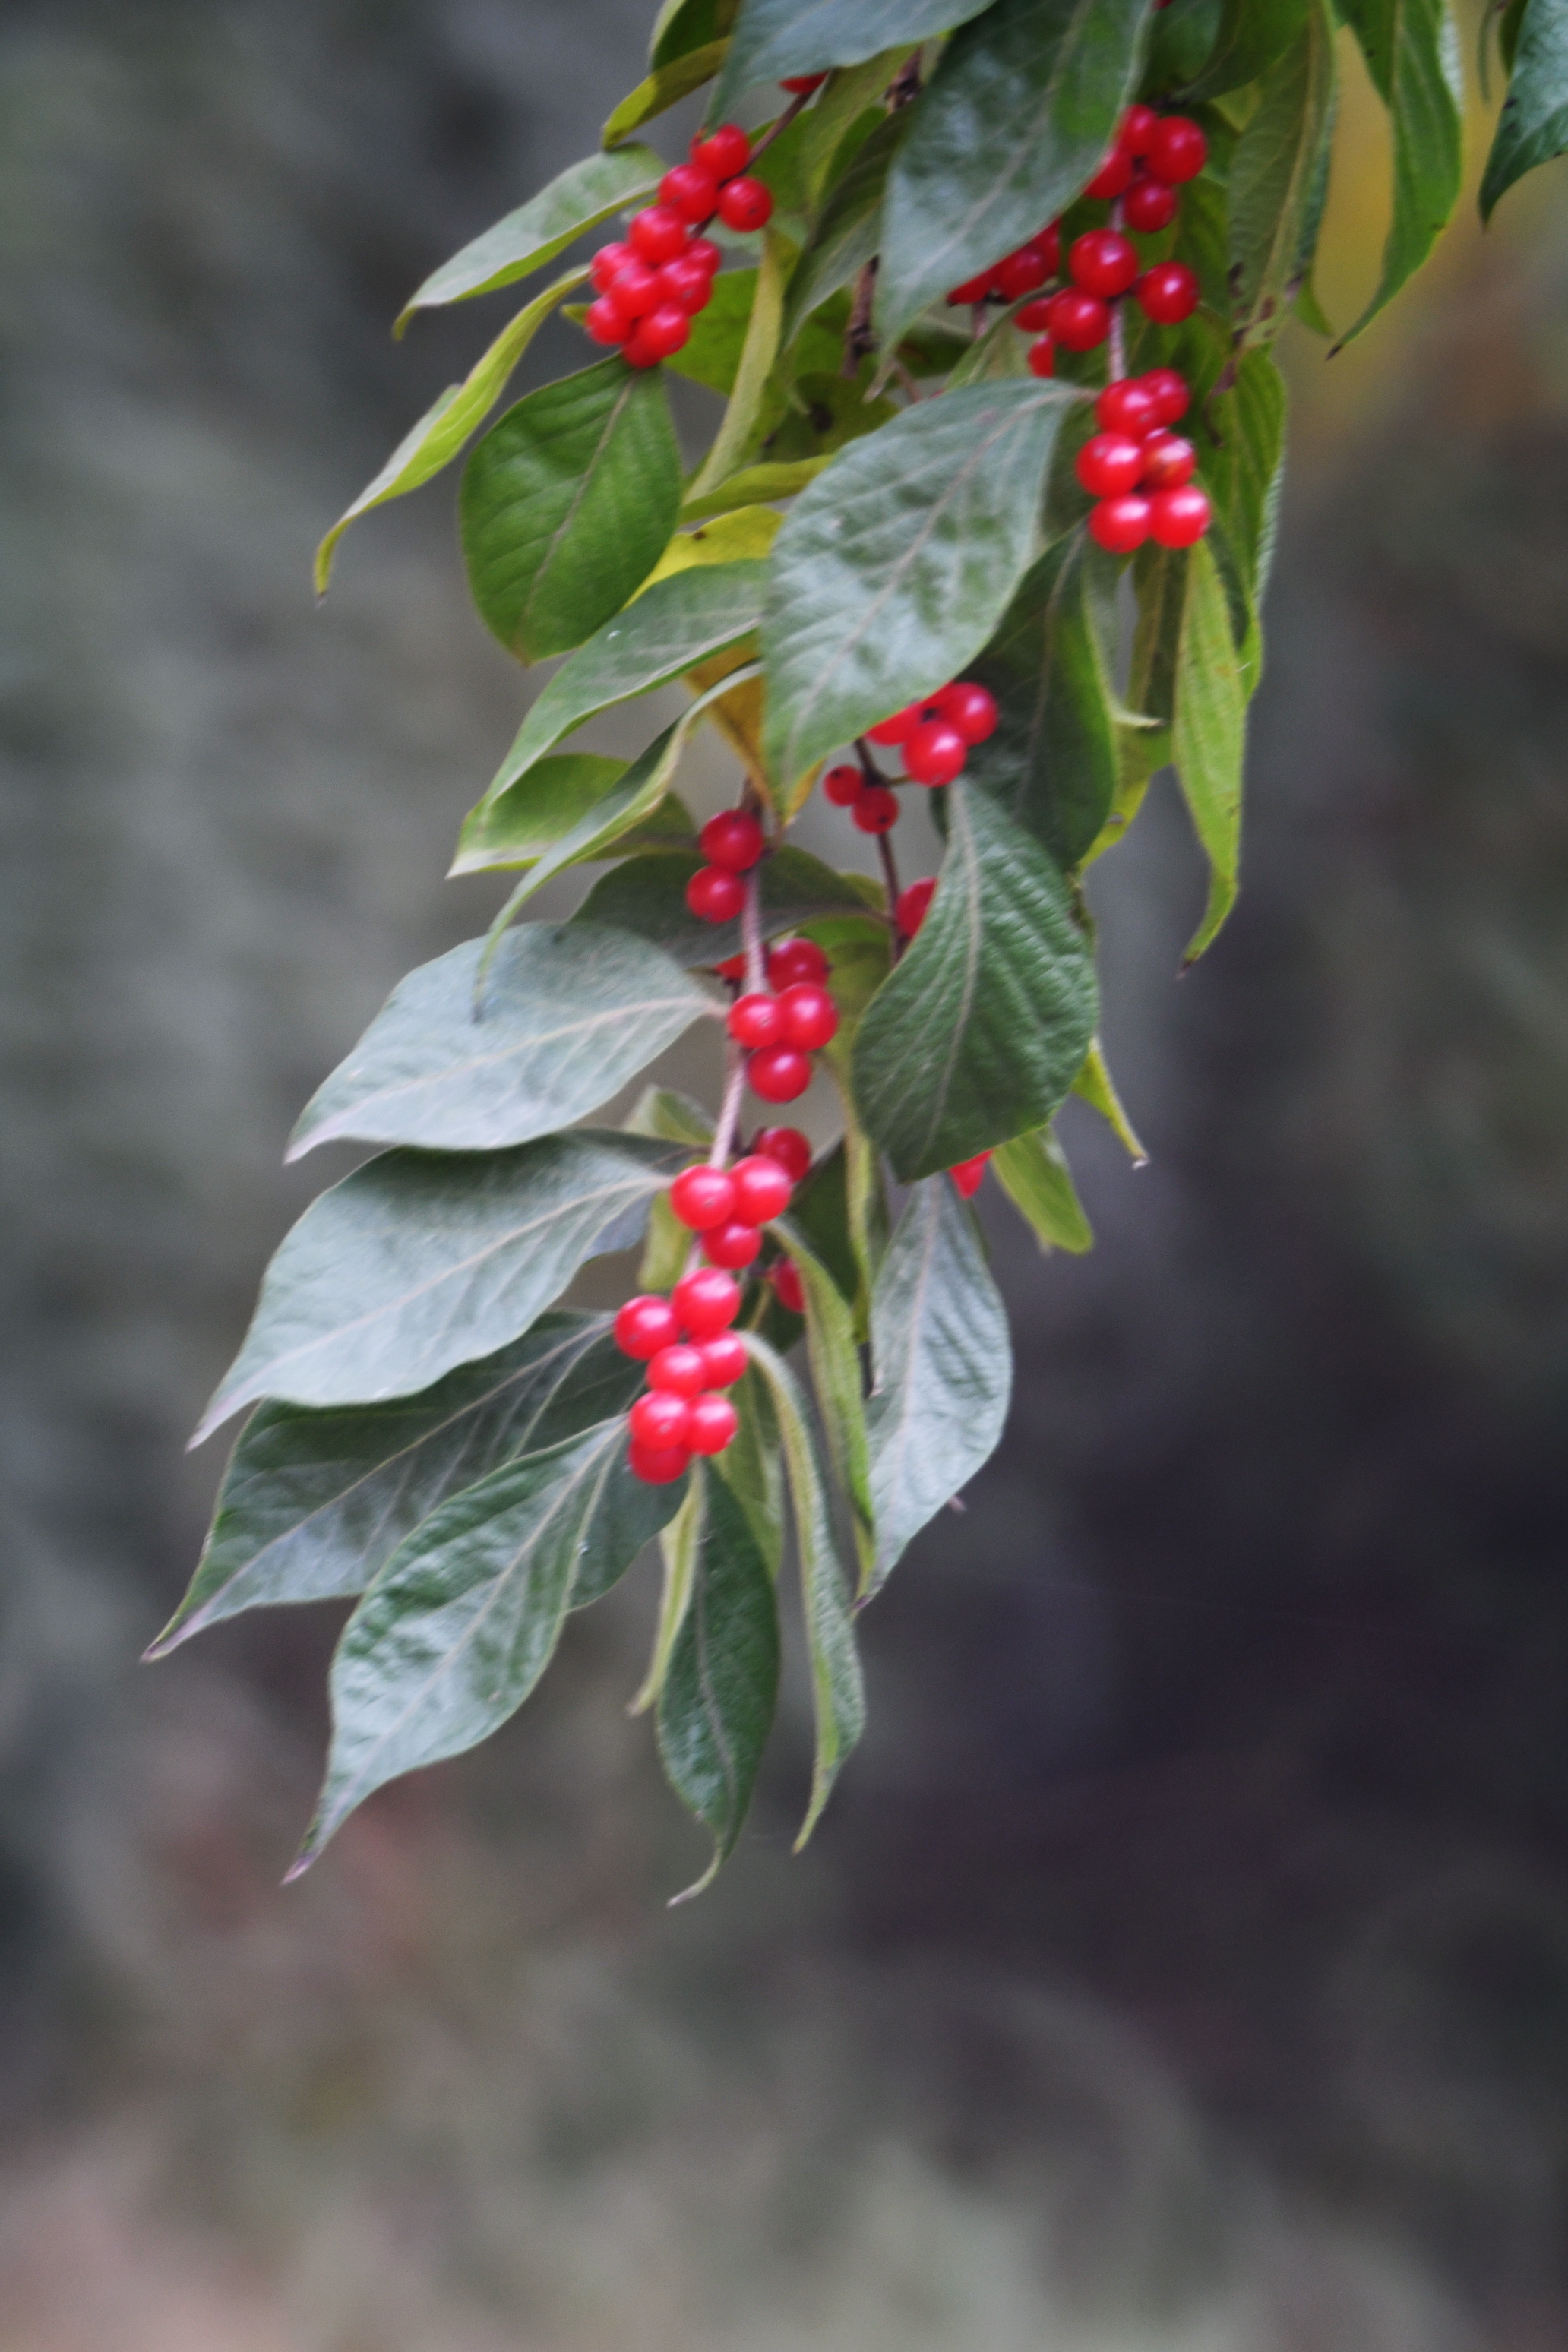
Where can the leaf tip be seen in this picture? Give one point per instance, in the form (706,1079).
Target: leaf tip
(301,1863)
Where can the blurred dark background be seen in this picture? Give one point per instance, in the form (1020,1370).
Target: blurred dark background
(1184,1965)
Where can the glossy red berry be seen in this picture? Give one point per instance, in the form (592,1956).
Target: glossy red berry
(1169,392)
(689,191)
(723,1359)
(715,896)
(659,1420)
(969,1174)
(657,336)
(604,322)
(788,1289)
(876,809)
(912,906)
(733,968)
(971,708)
(1179,518)
(713,1423)
(645,1324)
(1136,135)
(723,151)
(779,1073)
(1049,241)
(633,290)
(755,1020)
(1126,406)
(1080,321)
(1169,462)
(1103,262)
(1149,206)
(842,785)
(1120,524)
(763,1188)
(656,234)
(899,728)
(810,1016)
(1043,357)
(974,289)
(606,262)
(687,283)
(1021,272)
(935,752)
(1109,463)
(703,251)
(659,1466)
(793,959)
(733,840)
(734,1246)
(1113,177)
(745,205)
(681,1369)
(1168,293)
(702,1197)
(802,85)
(789,1147)
(1178,149)
(1034,318)
(707,1302)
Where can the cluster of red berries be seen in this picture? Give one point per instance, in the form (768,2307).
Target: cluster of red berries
(781,1027)
(651,286)
(733,843)
(686,1341)
(934,736)
(1138,471)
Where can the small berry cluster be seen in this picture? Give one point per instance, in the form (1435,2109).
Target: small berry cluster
(781,1027)
(686,1341)
(733,843)
(934,736)
(1139,471)
(652,286)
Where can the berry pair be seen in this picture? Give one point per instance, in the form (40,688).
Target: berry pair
(1022,271)
(1152,150)
(1139,471)
(728,1206)
(733,843)
(651,286)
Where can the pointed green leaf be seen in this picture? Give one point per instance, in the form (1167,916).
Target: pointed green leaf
(576,200)
(1412,51)
(1019,112)
(835,1377)
(422,1260)
(677,1545)
(773,39)
(755,486)
(648,896)
(1533,124)
(534,816)
(943,1367)
(849,231)
(743,419)
(1249,41)
(751,1467)
(1033,1173)
(980,1031)
(1208,737)
(1097,1087)
(717,1699)
(660,1110)
(1278,178)
(682,25)
(663,89)
(567,504)
(896,564)
(461,1622)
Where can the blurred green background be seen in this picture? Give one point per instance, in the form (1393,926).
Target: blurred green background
(1183,1967)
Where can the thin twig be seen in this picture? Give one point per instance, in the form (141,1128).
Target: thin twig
(752,931)
(905,86)
(859,340)
(1118,322)
(890,878)
(907,379)
(776,129)
(729,1109)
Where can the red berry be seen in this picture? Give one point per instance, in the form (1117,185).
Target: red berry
(645,1324)
(1139,125)
(1169,462)
(843,785)
(1109,463)
(779,1073)
(744,205)
(1126,406)
(733,968)
(970,708)
(604,322)
(734,1246)
(788,1147)
(802,85)
(1168,293)
(1021,272)
(660,1466)
(899,728)
(733,840)
(703,1197)
(1149,206)
(633,289)
(1103,262)
(763,1189)
(877,810)
(724,1360)
(1120,524)
(1034,318)
(793,959)
(1080,321)
(788,1289)
(713,1423)
(1113,177)
(702,249)
(1178,150)
(935,752)
(1043,357)
(1169,392)
(685,282)
(911,912)
(606,262)
(969,1174)
(723,151)
(659,1420)
(1049,241)
(974,289)
(689,191)
(657,336)
(707,1302)
(811,1017)
(1179,518)
(681,1368)
(656,234)
(756,1021)
(715,896)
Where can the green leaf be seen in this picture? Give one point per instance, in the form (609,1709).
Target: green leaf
(849,231)
(1243,470)
(661,1110)
(1208,737)
(944,1366)
(980,1031)
(742,420)
(461,1622)
(1534,125)
(441,432)
(313,1503)
(1412,52)
(894,567)
(1510,23)
(751,1467)
(663,89)
(1033,1173)
(716,1704)
(678,1557)
(837,1694)
(1094,1084)
(576,200)
(755,486)
(1052,762)
(842,118)
(566,506)
(422,1260)
(535,815)
(776,38)
(711,353)
(567,1014)
(1249,41)
(675,622)
(682,25)
(1017,115)
(823,412)
(835,1377)
(648,896)
(1278,178)
(821,1212)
